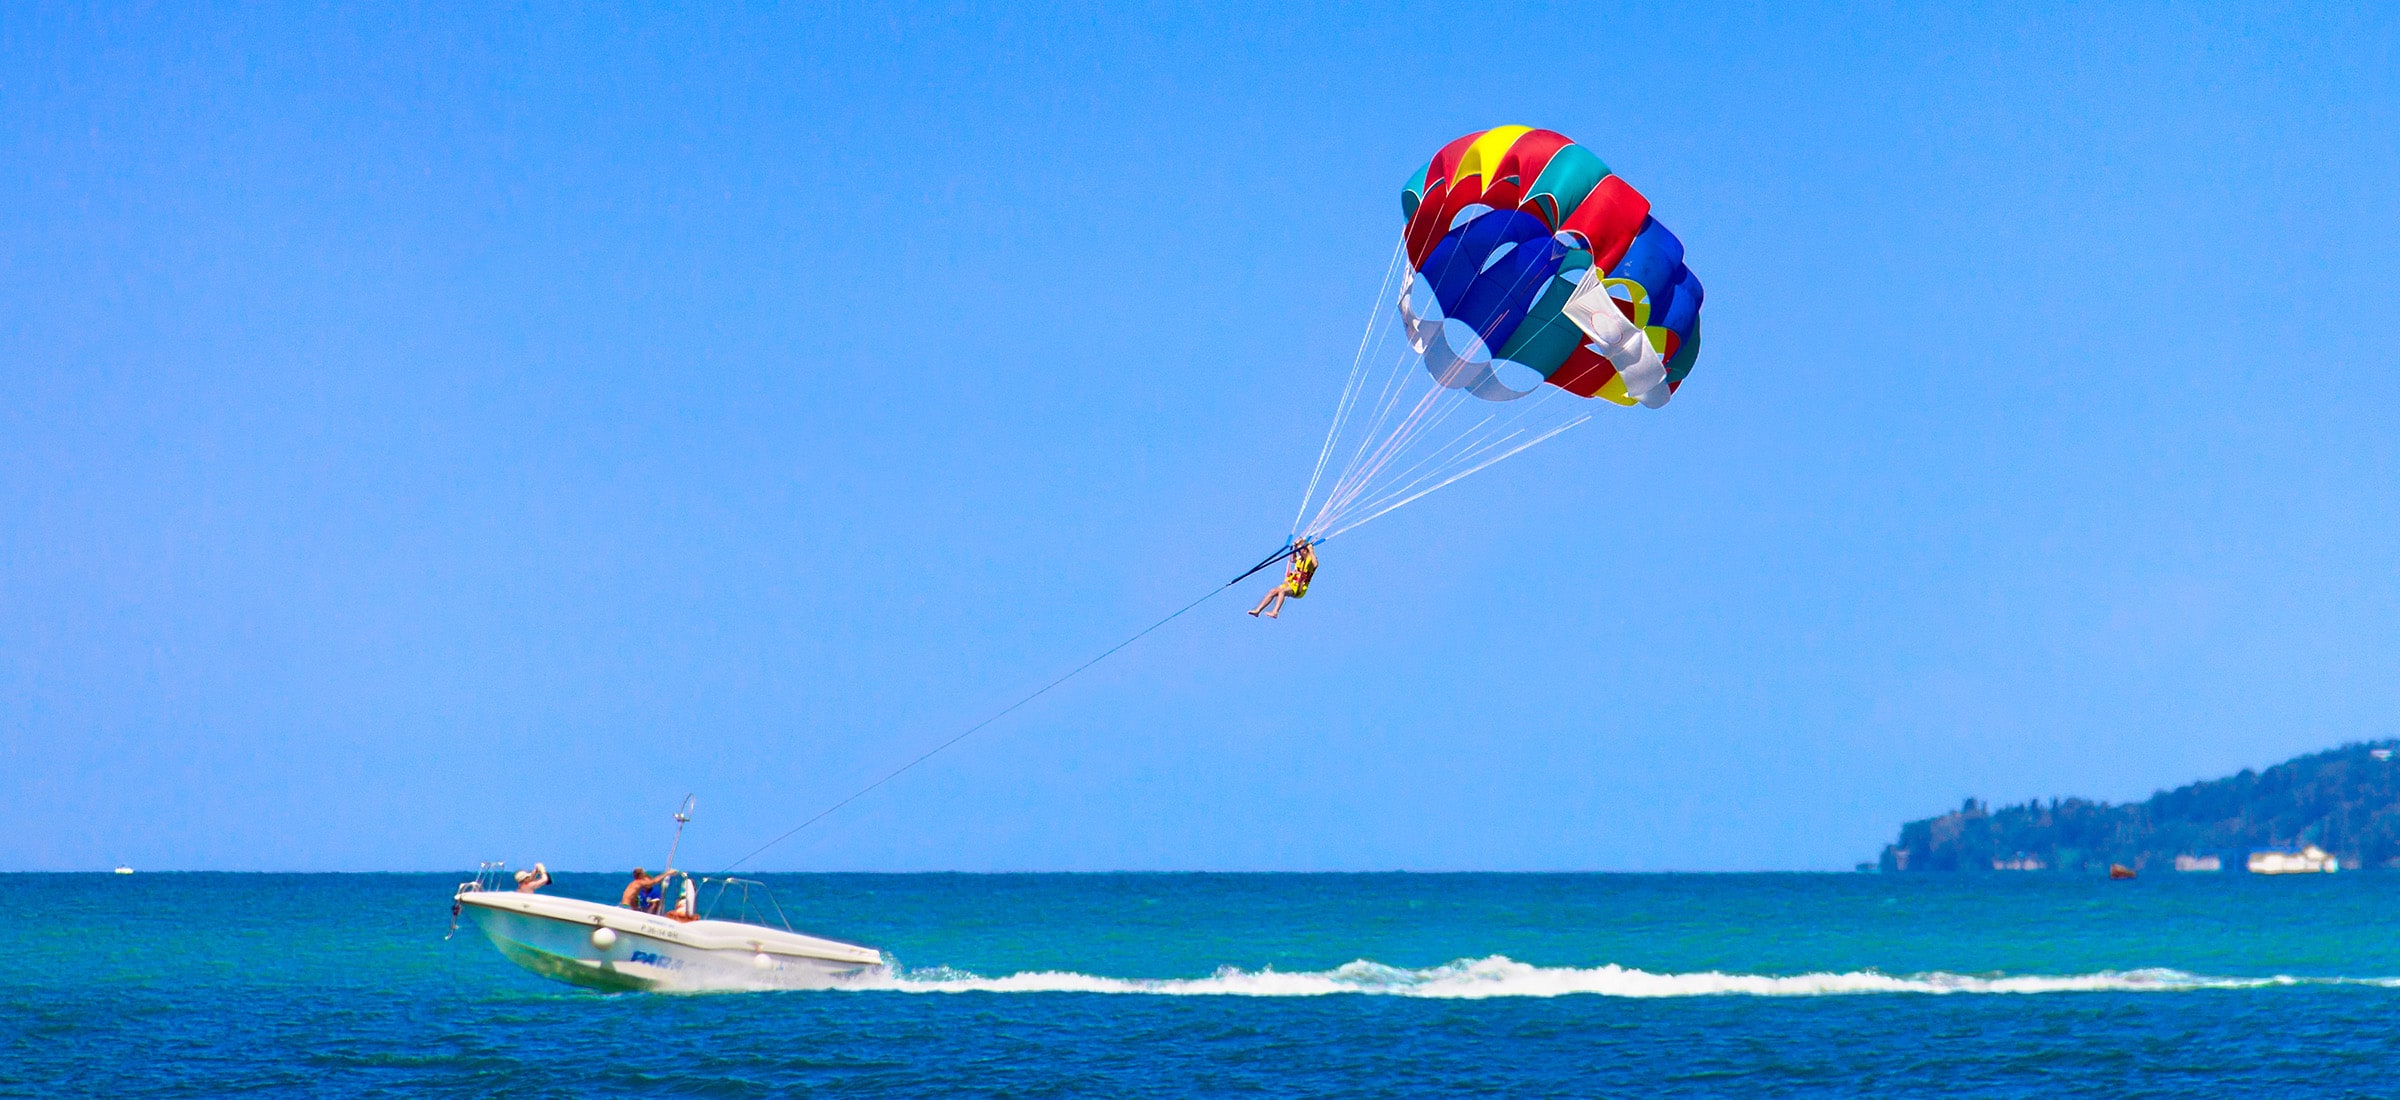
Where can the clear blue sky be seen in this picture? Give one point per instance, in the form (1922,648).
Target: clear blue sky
(443,434)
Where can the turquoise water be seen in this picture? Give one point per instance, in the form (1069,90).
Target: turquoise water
(1205,985)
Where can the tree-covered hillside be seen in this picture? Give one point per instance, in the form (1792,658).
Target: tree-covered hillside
(2346,801)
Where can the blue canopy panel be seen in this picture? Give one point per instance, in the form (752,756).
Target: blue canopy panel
(1677,309)
(1471,295)
(1487,273)
(1650,261)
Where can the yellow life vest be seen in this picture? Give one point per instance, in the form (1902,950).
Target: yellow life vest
(1302,570)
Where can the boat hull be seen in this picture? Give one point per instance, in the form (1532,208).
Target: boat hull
(619,950)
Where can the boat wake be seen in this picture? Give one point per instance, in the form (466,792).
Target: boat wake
(1499,976)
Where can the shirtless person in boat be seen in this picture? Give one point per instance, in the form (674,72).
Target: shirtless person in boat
(643,892)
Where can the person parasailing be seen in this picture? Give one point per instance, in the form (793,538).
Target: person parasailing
(1296,576)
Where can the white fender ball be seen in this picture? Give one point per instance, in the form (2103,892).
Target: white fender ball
(604,938)
(762,962)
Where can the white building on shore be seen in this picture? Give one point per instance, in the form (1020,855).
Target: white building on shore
(2310,860)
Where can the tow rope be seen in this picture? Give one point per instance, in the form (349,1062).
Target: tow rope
(1288,550)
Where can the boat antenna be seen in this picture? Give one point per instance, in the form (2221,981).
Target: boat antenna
(683,817)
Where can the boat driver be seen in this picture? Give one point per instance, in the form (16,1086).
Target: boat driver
(644,892)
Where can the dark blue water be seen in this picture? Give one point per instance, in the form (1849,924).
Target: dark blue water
(1206,985)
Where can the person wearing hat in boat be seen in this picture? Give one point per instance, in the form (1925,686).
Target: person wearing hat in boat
(532,881)
(644,892)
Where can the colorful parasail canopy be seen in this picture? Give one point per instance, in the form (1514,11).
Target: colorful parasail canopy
(1530,263)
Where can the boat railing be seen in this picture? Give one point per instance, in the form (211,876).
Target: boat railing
(751,901)
(489,874)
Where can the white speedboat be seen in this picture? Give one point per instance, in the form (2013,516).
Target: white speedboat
(614,948)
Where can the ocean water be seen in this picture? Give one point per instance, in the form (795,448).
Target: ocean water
(1141,985)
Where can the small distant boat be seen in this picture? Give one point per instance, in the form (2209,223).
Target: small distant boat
(2198,863)
(2119,871)
(2310,860)
(124,870)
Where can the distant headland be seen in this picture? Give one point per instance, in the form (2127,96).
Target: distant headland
(2344,802)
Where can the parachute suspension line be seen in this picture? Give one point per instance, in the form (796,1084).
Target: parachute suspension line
(1408,433)
(1403,437)
(1352,387)
(1436,466)
(1363,472)
(1459,452)
(1463,441)
(1376,446)
(1452,471)
(1373,443)
(1004,712)
(1388,395)
(1460,476)
(1468,443)
(1438,463)
(1382,320)
(1334,511)
(1405,450)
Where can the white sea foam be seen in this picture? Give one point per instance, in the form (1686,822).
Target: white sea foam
(1499,976)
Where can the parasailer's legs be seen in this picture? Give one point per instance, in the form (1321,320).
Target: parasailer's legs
(1295,580)
(1272,603)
